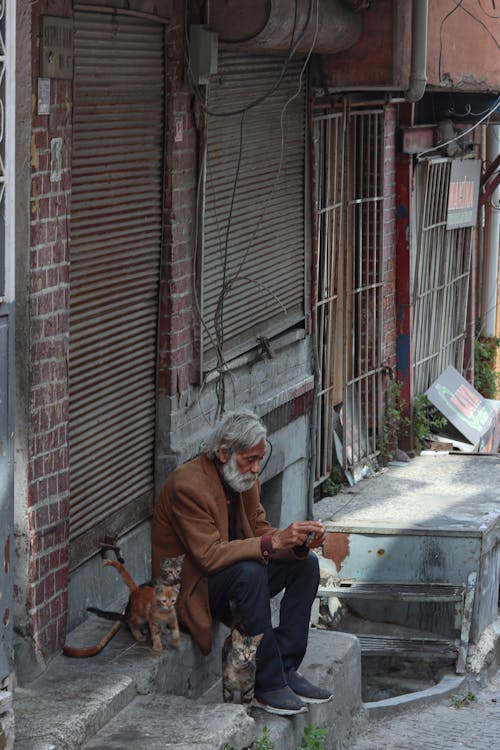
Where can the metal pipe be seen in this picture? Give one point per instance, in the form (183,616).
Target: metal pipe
(418,74)
(323,27)
(491,251)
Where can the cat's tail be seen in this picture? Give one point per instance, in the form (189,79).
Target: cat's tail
(124,573)
(106,614)
(76,651)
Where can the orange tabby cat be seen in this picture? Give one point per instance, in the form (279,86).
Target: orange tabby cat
(152,605)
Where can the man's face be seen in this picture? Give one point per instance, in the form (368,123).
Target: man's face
(241,469)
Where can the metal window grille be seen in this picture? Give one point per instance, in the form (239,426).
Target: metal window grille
(349,206)
(441,272)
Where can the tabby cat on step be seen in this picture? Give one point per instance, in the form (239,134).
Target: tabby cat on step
(238,666)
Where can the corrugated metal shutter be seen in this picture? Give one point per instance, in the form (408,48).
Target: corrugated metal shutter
(115,253)
(264,257)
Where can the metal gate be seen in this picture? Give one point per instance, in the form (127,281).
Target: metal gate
(440,279)
(349,311)
(7,147)
(116,230)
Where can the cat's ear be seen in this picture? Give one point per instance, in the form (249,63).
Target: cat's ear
(257,639)
(236,636)
(176,587)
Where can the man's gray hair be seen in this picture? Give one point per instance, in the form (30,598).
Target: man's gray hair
(238,431)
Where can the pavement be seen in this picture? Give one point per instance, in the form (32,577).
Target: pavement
(470,719)
(131,697)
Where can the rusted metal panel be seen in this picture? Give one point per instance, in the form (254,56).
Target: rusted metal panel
(433,575)
(462,49)
(254,219)
(279,24)
(380,59)
(115,256)
(410,557)
(417,138)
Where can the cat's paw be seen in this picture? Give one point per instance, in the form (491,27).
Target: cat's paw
(158,646)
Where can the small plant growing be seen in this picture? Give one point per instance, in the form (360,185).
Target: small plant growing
(313,738)
(459,701)
(486,379)
(264,742)
(334,483)
(395,422)
(426,420)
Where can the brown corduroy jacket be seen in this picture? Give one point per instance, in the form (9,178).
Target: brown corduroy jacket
(191,517)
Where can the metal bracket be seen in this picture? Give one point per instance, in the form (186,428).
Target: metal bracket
(109,544)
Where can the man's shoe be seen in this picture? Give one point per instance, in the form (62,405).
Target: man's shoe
(303,688)
(282,701)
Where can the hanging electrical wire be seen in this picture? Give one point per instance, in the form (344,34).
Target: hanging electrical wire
(461,135)
(217,340)
(459,6)
(290,53)
(490,15)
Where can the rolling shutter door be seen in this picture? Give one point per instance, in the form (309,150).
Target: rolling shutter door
(116,222)
(263,218)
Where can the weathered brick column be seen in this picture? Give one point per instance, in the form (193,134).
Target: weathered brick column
(48,460)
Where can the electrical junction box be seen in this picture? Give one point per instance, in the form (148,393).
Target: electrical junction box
(203,45)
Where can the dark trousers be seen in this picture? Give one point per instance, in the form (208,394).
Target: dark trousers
(251,585)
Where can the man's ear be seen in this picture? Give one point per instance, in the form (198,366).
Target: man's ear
(224,455)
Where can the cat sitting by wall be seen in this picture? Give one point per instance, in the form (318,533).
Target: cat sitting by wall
(149,605)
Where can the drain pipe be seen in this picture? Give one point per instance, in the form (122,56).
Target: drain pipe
(491,277)
(418,75)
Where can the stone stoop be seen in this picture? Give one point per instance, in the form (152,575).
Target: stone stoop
(158,722)
(128,696)
(333,660)
(74,697)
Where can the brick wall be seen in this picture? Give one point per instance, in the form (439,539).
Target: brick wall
(176,289)
(48,468)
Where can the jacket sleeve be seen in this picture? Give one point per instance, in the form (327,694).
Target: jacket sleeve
(202,528)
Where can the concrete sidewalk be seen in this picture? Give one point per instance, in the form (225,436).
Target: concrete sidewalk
(465,721)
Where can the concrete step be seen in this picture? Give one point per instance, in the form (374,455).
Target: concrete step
(158,722)
(129,696)
(74,698)
(333,660)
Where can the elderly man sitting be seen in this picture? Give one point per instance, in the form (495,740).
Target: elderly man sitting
(210,509)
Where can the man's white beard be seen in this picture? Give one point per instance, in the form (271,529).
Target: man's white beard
(237,481)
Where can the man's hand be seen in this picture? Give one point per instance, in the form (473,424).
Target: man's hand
(297,534)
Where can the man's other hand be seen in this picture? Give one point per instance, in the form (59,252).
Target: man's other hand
(299,533)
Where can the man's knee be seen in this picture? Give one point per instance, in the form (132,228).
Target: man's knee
(250,573)
(312,563)
(306,572)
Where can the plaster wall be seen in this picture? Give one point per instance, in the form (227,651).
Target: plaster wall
(263,385)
